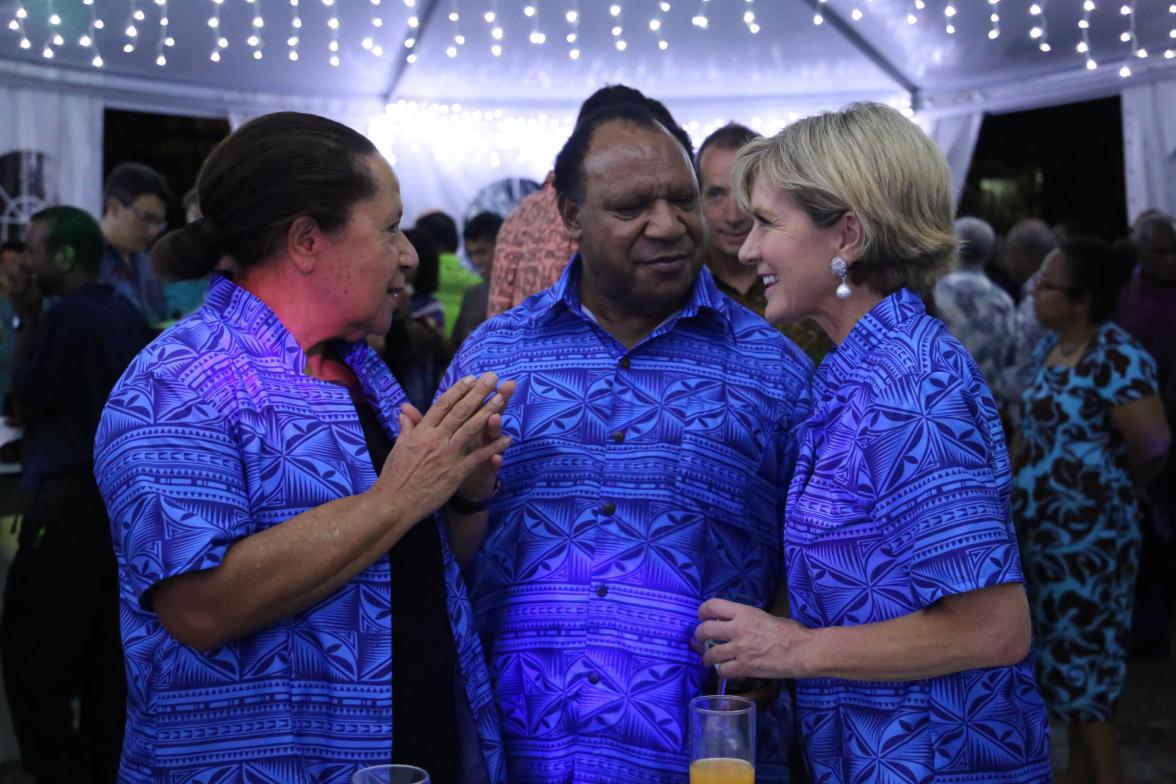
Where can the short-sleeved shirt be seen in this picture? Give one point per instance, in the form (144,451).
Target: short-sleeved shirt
(531,252)
(640,482)
(901,497)
(132,277)
(213,434)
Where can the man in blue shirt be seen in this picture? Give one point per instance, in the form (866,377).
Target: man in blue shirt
(651,430)
(134,213)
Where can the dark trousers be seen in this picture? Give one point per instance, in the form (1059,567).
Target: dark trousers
(59,636)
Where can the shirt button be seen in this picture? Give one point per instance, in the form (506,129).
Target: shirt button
(619,436)
(602,591)
(625,363)
(609,508)
(593,678)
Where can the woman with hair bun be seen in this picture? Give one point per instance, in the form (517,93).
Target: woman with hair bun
(1092,433)
(284,616)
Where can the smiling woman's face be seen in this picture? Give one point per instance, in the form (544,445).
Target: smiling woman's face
(792,255)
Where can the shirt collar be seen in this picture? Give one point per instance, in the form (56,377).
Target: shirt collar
(871,331)
(706,302)
(267,335)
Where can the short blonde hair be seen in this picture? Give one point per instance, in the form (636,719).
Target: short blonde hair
(870,160)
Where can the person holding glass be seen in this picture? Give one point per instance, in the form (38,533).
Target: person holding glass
(910,633)
(1093,432)
(284,616)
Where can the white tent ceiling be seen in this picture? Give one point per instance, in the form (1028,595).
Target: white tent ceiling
(790,58)
(519,98)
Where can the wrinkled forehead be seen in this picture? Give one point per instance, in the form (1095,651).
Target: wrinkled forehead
(627,155)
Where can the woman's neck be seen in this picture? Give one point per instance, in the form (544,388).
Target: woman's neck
(840,317)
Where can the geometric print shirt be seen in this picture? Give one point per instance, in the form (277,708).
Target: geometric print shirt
(639,483)
(213,434)
(900,498)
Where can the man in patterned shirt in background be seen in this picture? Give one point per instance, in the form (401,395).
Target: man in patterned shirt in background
(727,228)
(977,311)
(652,426)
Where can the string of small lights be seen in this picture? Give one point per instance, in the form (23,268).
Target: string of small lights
(51,22)
(573,37)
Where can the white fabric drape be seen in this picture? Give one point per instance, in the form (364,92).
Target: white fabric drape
(67,128)
(1149,147)
(956,136)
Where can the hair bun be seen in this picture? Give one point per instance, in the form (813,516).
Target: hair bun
(207,233)
(190,252)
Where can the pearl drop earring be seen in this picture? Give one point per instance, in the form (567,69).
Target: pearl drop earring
(841,270)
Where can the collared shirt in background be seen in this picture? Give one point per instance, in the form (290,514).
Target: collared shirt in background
(132,277)
(532,251)
(983,317)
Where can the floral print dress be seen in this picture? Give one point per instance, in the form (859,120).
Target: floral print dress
(1079,512)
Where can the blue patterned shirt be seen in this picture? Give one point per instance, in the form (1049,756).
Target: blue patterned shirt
(215,433)
(901,497)
(640,482)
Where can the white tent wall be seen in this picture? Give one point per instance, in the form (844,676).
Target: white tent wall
(67,128)
(1149,147)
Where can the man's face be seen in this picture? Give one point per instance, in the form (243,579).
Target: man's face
(40,262)
(137,225)
(726,224)
(481,253)
(639,226)
(1157,253)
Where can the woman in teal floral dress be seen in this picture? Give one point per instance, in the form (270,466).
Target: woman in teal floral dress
(1093,431)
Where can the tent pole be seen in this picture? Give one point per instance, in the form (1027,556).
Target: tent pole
(866,48)
(401,63)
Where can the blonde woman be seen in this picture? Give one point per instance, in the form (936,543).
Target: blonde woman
(910,634)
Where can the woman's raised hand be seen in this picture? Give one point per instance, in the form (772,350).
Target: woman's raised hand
(459,439)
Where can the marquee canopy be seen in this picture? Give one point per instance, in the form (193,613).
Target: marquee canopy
(463,91)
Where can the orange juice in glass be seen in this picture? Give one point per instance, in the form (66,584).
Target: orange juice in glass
(722,740)
(720,770)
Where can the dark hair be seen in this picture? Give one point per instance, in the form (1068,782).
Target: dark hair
(483,226)
(70,227)
(610,95)
(569,163)
(621,95)
(428,271)
(257,182)
(128,181)
(731,136)
(442,228)
(15,245)
(1097,271)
